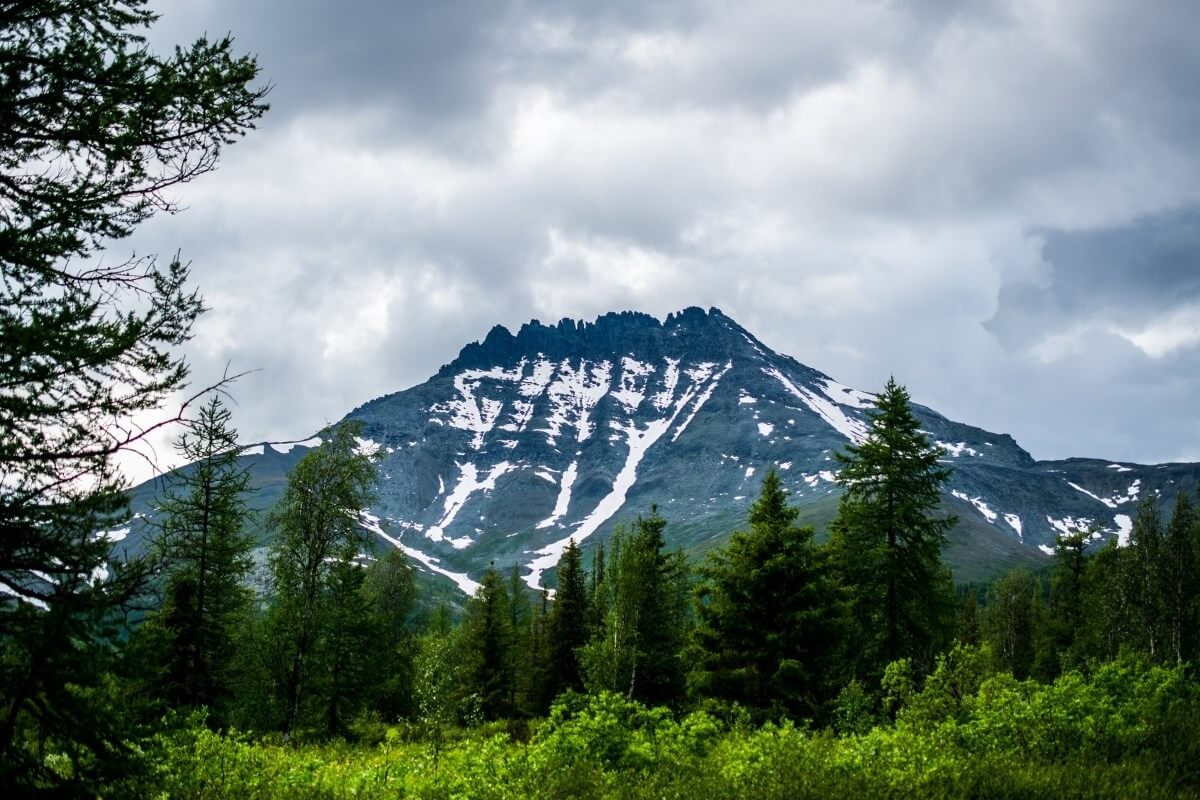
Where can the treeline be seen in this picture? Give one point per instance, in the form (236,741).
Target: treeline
(773,626)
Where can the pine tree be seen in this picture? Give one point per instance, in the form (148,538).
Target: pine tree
(204,543)
(96,132)
(568,623)
(887,538)
(768,627)
(317,525)
(488,648)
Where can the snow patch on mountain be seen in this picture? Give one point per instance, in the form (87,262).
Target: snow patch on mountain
(846,396)
(564,496)
(699,375)
(765,428)
(853,429)
(980,506)
(1124,528)
(468,484)
(366,447)
(573,394)
(639,441)
(956,449)
(1014,522)
(287,447)
(633,380)
(372,523)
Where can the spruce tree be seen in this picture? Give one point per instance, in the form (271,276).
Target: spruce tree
(1064,615)
(887,538)
(203,541)
(768,629)
(1145,581)
(568,623)
(488,648)
(390,591)
(1180,577)
(96,132)
(636,651)
(317,526)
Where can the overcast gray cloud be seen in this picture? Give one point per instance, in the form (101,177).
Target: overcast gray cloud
(997,202)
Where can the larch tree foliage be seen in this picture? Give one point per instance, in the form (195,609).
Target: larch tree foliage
(204,545)
(95,130)
(317,528)
(887,538)
(768,616)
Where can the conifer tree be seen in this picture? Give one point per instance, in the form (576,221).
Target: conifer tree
(205,545)
(534,684)
(390,592)
(97,130)
(1009,622)
(1146,579)
(1064,618)
(317,526)
(1180,579)
(488,648)
(768,627)
(636,651)
(887,538)
(568,623)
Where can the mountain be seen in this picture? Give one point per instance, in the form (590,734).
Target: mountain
(524,442)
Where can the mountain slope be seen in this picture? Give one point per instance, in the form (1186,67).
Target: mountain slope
(527,441)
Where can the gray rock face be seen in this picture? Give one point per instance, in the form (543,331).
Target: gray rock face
(527,441)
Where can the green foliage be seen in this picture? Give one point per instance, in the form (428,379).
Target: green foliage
(1123,732)
(203,542)
(489,649)
(768,633)
(317,532)
(887,541)
(568,626)
(636,649)
(96,131)
(1010,617)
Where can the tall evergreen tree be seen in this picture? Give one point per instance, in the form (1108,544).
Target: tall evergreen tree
(205,545)
(96,131)
(768,627)
(1146,580)
(390,592)
(1009,621)
(636,651)
(317,526)
(568,623)
(887,538)
(1181,579)
(1064,619)
(488,648)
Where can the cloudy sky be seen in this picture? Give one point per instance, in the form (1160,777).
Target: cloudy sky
(998,202)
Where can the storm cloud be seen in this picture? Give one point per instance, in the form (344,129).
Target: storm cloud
(996,202)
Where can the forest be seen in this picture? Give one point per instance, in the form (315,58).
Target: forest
(783,665)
